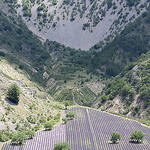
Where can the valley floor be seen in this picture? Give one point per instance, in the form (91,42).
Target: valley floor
(90,130)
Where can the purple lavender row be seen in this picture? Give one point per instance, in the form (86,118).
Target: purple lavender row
(78,131)
(104,124)
(43,140)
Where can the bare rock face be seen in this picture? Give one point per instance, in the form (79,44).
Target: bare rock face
(79,24)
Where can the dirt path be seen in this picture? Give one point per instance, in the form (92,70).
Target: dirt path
(95,142)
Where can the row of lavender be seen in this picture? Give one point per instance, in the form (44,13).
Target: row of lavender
(78,132)
(81,135)
(43,140)
(104,124)
(90,130)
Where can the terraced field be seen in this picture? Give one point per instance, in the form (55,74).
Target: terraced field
(90,130)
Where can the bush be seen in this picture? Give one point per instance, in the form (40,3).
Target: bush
(13,93)
(115,136)
(103,98)
(19,138)
(65,120)
(62,146)
(137,136)
(66,2)
(66,104)
(3,137)
(54,2)
(70,115)
(48,125)
(30,134)
(32,119)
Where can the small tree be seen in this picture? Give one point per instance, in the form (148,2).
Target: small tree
(19,138)
(115,136)
(3,137)
(48,125)
(70,115)
(62,146)
(30,134)
(137,136)
(65,120)
(13,93)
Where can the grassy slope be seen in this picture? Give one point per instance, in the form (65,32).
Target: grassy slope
(21,46)
(33,100)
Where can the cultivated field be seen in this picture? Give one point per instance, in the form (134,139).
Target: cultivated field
(90,130)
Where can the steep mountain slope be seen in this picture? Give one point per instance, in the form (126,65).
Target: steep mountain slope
(51,64)
(19,45)
(125,48)
(78,23)
(65,72)
(35,106)
(129,92)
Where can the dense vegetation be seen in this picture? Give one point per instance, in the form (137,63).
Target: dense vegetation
(125,48)
(24,48)
(132,84)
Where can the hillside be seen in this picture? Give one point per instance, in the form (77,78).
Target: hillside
(51,64)
(127,47)
(79,23)
(65,73)
(35,105)
(128,93)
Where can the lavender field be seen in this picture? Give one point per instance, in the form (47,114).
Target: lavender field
(90,130)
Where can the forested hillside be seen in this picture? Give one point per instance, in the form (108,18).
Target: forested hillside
(129,92)
(125,48)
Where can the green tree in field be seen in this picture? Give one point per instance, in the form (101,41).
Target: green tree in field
(62,146)
(19,138)
(65,120)
(115,136)
(13,93)
(48,125)
(70,115)
(137,136)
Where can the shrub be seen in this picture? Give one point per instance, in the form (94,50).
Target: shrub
(13,93)
(137,136)
(65,120)
(66,104)
(54,2)
(115,136)
(66,2)
(62,146)
(48,125)
(103,98)
(30,134)
(31,119)
(70,115)
(19,138)
(3,137)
